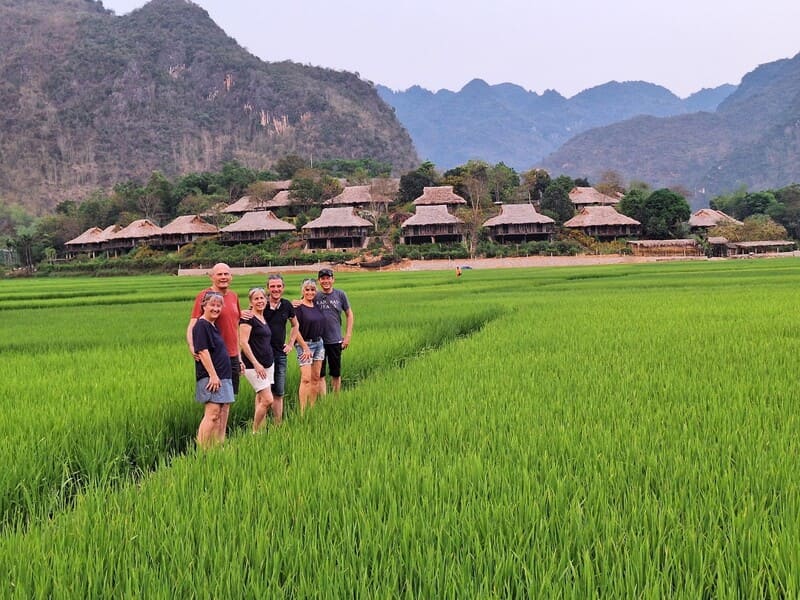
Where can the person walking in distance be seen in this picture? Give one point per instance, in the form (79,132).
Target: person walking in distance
(227,323)
(333,303)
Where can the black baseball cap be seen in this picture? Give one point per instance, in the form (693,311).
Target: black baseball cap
(324,273)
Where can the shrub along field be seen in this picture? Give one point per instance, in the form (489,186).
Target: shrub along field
(616,431)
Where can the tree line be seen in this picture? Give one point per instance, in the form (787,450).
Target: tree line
(29,241)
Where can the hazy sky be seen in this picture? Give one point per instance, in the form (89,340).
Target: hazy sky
(565,45)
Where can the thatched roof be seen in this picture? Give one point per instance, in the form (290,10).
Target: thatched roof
(109,231)
(343,216)
(139,229)
(243,204)
(763,244)
(259,220)
(354,195)
(708,217)
(441,194)
(188,224)
(250,203)
(94,235)
(595,216)
(431,215)
(282,184)
(688,242)
(517,214)
(279,200)
(583,196)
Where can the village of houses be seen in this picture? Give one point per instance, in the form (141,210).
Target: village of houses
(339,226)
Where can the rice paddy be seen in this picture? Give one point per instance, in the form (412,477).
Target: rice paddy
(615,431)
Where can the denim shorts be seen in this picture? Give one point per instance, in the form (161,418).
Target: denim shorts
(279,375)
(224,395)
(317,352)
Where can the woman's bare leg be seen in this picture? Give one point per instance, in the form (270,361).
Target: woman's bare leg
(263,402)
(208,432)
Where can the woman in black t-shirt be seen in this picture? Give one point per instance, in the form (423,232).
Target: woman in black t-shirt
(312,324)
(255,340)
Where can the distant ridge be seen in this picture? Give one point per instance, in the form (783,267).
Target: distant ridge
(751,140)
(507,123)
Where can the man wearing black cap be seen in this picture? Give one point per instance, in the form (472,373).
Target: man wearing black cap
(333,303)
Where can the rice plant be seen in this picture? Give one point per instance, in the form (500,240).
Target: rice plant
(625,431)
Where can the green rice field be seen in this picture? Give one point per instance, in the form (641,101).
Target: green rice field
(625,431)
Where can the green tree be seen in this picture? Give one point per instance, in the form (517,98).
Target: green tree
(357,171)
(193,184)
(789,214)
(158,202)
(98,210)
(128,197)
(741,204)
(50,254)
(503,181)
(761,203)
(13,216)
(290,164)
(555,199)
(56,230)
(633,203)
(663,214)
(411,183)
(311,186)
(22,243)
(196,204)
(235,178)
(535,182)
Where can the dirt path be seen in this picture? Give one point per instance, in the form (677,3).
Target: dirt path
(446,264)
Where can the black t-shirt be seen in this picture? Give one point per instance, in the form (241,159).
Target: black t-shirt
(277,320)
(312,322)
(205,336)
(260,343)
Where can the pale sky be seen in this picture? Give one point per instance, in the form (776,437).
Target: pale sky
(565,45)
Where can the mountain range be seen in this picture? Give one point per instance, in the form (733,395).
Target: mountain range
(751,140)
(713,142)
(506,123)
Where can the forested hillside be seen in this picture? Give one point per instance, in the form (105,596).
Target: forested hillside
(88,99)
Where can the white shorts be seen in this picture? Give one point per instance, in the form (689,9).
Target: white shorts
(257,383)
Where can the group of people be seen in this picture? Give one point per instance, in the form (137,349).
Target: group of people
(227,341)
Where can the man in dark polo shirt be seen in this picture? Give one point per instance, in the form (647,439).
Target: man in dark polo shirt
(277,313)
